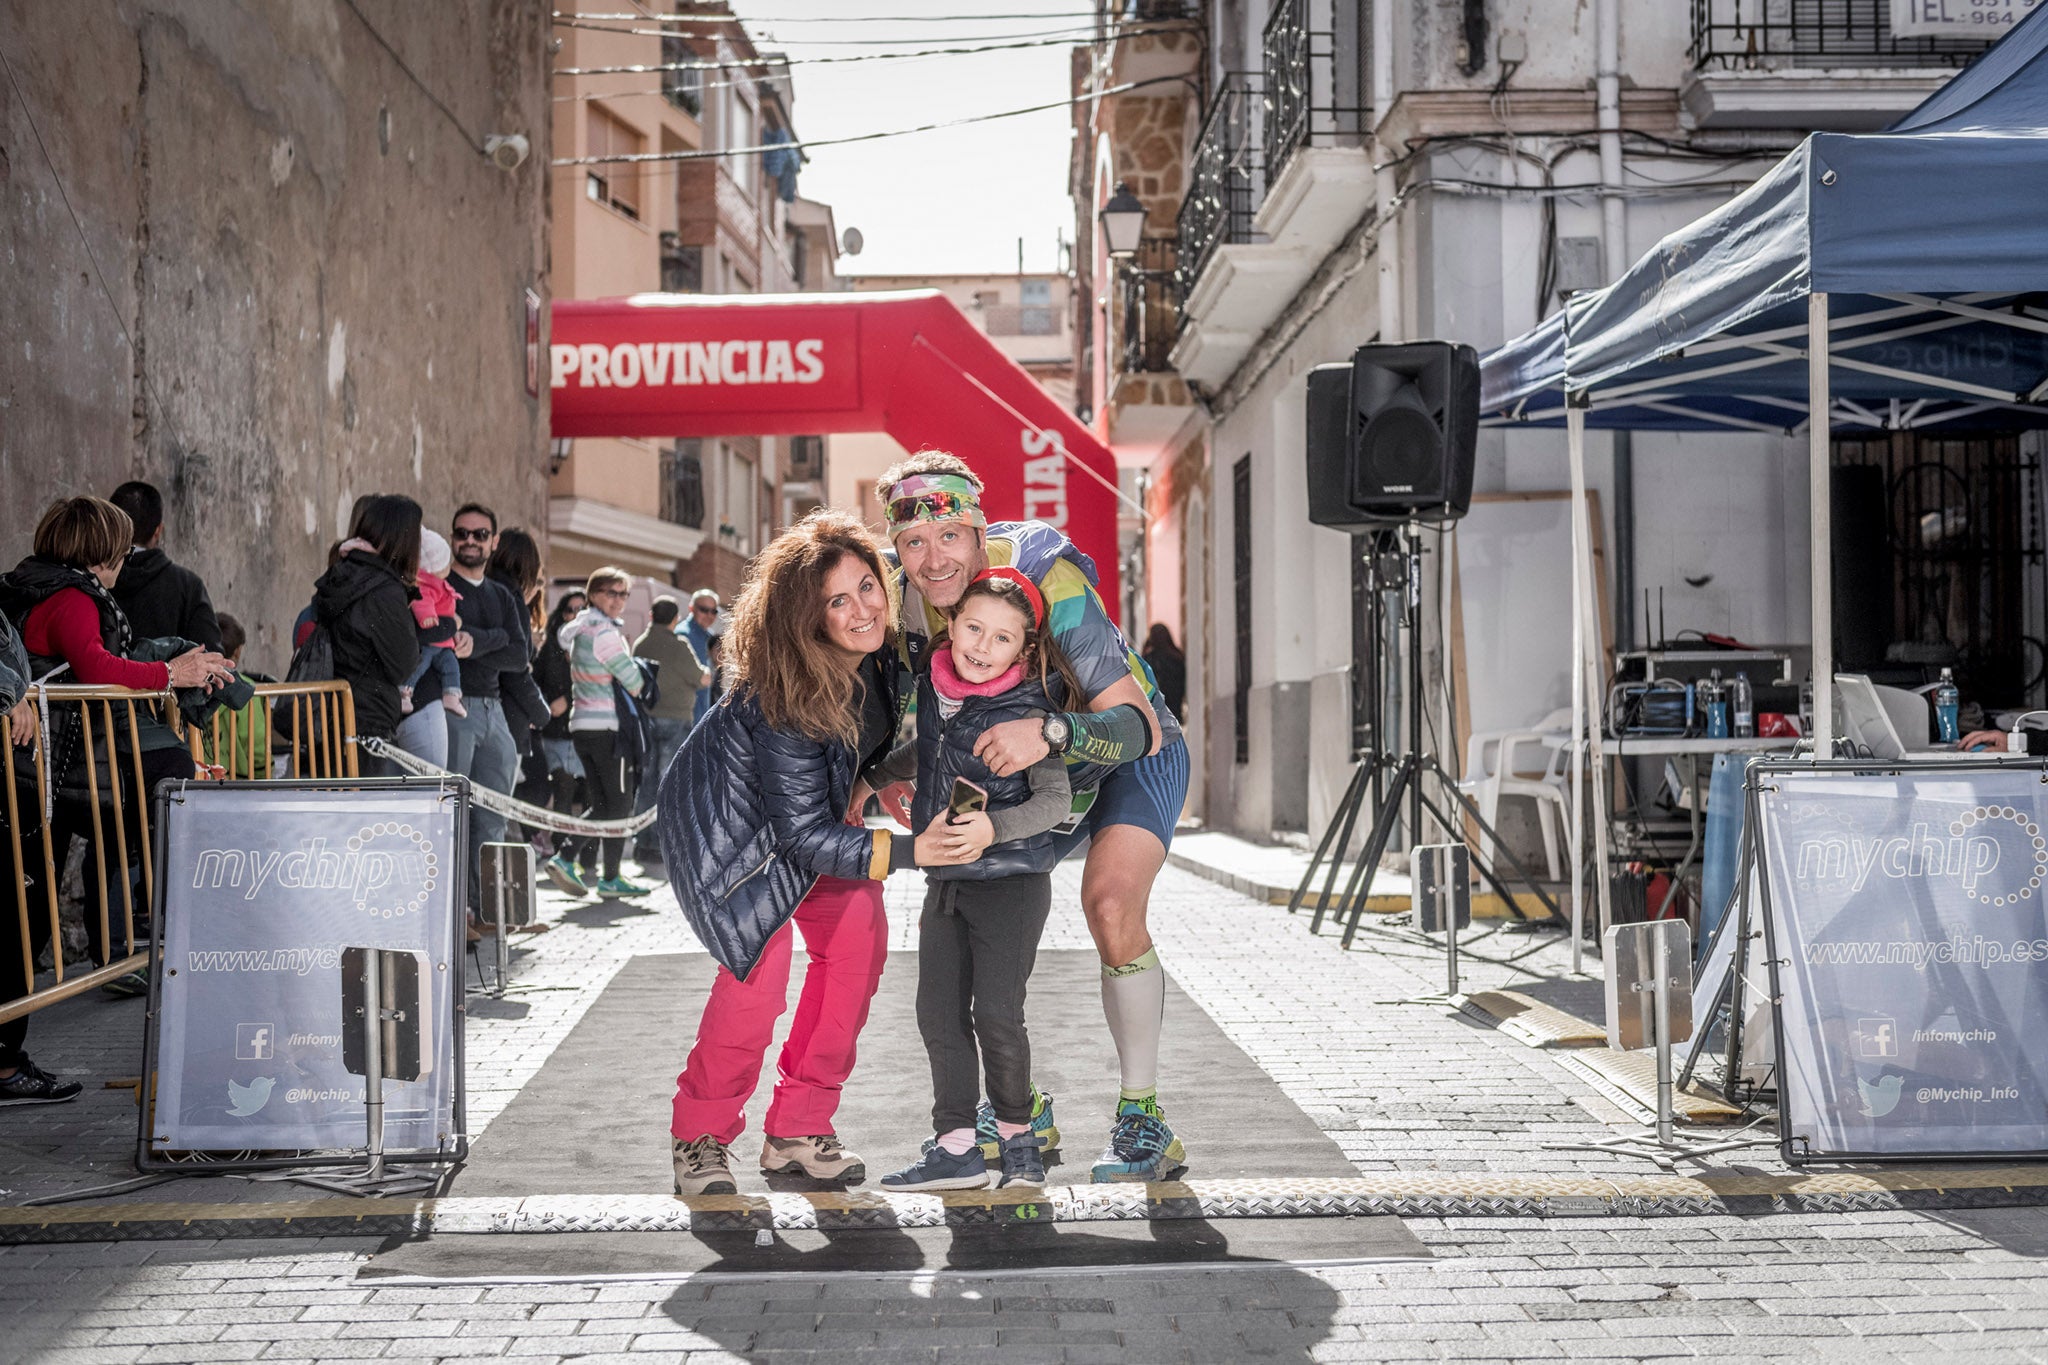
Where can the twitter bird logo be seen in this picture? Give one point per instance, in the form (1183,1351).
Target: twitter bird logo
(244,1100)
(1879,1099)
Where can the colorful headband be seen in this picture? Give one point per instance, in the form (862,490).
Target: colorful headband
(1022,580)
(934,497)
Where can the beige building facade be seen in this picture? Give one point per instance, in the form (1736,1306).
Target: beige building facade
(684,512)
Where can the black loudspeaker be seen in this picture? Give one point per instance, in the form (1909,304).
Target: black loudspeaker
(1391,435)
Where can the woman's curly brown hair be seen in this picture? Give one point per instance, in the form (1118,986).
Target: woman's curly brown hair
(776,647)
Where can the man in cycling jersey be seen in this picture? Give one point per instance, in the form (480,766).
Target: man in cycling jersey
(1125,756)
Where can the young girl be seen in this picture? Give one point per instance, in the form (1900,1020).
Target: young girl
(434,609)
(978,936)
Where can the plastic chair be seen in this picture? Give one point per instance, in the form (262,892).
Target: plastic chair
(1528,763)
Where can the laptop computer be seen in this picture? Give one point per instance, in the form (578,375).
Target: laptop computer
(1861,714)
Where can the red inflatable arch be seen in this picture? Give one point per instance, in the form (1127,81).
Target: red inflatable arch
(907,363)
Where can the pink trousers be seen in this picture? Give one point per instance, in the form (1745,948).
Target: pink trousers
(847,938)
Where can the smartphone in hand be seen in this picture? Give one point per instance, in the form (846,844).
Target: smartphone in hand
(967,798)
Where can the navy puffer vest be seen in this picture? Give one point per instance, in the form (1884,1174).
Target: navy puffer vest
(945,750)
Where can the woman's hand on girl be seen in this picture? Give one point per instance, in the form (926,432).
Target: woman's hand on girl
(859,804)
(937,847)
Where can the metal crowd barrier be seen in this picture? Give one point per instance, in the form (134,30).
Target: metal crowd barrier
(288,730)
(305,730)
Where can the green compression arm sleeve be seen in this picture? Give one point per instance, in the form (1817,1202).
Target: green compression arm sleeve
(1118,735)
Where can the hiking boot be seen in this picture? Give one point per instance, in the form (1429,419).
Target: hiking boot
(30,1084)
(562,873)
(618,888)
(822,1157)
(1141,1147)
(939,1169)
(703,1166)
(1023,1162)
(1042,1127)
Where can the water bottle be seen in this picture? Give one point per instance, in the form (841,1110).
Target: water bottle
(1745,708)
(1947,707)
(1714,705)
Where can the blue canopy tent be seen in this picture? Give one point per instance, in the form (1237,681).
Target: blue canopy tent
(1890,281)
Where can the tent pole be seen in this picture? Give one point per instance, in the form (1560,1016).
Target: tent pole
(1819,428)
(1575,443)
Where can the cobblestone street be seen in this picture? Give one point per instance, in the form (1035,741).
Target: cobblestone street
(1399,1087)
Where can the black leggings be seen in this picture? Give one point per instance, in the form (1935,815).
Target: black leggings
(611,789)
(977,942)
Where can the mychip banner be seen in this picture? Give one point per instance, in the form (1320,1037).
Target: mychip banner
(1903,913)
(265,885)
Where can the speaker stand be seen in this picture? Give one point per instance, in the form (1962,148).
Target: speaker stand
(1408,773)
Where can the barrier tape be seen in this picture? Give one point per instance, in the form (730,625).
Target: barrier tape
(498,803)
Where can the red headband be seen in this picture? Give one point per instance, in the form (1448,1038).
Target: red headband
(1022,580)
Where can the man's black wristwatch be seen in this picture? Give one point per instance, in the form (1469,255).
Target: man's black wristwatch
(1058,734)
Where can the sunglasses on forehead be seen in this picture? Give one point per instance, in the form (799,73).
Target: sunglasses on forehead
(931,505)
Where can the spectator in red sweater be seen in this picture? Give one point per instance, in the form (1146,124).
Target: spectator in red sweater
(60,599)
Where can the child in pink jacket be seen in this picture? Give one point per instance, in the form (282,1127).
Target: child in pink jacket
(434,610)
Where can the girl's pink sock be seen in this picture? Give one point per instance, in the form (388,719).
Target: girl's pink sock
(959,1142)
(1010,1130)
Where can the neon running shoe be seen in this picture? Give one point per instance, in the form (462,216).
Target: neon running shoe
(563,874)
(1042,1127)
(1141,1147)
(618,888)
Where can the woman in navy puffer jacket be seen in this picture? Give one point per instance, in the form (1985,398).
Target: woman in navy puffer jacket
(760,825)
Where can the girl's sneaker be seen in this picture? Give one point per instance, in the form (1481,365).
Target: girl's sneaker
(1042,1127)
(939,1169)
(619,888)
(1023,1163)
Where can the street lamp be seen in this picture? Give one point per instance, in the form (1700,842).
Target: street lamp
(1123,223)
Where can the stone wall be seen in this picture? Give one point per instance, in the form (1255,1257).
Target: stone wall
(293,276)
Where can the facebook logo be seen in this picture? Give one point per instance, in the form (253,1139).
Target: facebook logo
(1877,1038)
(255,1042)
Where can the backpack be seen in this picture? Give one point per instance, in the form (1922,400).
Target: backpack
(313,661)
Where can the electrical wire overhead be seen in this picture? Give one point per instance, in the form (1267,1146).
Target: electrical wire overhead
(652,67)
(643,158)
(562,16)
(1068,33)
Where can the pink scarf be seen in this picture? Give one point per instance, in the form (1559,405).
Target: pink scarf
(953,688)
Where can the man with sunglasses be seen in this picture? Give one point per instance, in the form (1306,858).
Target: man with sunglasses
(1126,762)
(700,628)
(480,744)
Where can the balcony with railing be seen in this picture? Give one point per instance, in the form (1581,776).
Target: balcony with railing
(1233,278)
(1225,179)
(1147,400)
(1149,306)
(1317,118)
(1818,64)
